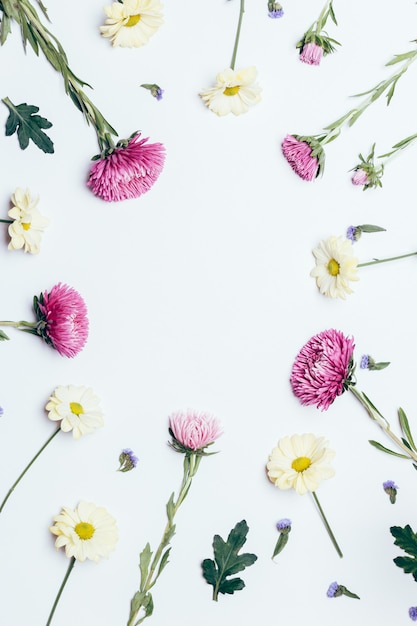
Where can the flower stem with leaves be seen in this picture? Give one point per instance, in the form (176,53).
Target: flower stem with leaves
(314,33)
(151,568)
(35,33)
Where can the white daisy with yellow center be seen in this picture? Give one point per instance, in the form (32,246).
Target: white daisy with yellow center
(131,23)
(86,532)
(28,224)
(335,267)
(234,92)
(300,462)
(77,408)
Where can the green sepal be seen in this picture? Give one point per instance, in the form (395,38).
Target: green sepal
(379,446)
(405,427)
(371,228)
(23,119)
(3,336)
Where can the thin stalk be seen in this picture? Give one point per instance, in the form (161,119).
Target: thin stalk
(239,26)
(61,589)
(383,423)
(9,493)
(393,258)
(7,221)
(191,463)
(326,524)
(19,324)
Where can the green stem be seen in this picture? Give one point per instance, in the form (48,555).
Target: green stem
(320,18)
(393,258)
(382,422)
(9,493)
(61,589)
(239,26)
(19,324)
(326,524)
(191,464)
(7,221)
(351,117)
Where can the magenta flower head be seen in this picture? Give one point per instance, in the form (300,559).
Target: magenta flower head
(305,155)
(191,432)
(323,369)
(62,319)
(311,53)
(360,177)
(128,170)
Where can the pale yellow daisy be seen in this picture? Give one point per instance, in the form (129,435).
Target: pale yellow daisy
(335,267)
(77,408)
(234,92)
(131,23)
(300,462)
(28,224)
(86,532)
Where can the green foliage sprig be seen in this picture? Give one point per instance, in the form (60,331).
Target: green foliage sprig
(406,539)
(227,561)
(23,118)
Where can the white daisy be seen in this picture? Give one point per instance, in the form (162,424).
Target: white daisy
(300,462)
(77,408)
(336,265)
(86,532)
(28,224)
(131,23)
(234,92)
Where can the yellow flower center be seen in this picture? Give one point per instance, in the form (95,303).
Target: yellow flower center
(231,91)
(26,225)
(76,408)
(133,20)
(333,267)
(84,530)
(301,463)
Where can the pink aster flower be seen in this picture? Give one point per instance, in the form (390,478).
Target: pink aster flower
(360,177)
(305,156)
(322,368)
(62,320)
(193,431)
(128,170)
(311,54)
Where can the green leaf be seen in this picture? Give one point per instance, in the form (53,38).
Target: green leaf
(401,57)
(23,119)
(144,561)
(164,561)
(227,561)
(405,427)
(3,336)
(406,539)
(371,228)
(387,450)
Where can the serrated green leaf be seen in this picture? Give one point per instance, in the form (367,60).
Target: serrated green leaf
(408,564)
(379,446)
(23,119)
(227,561)
(405,427)
(406,539)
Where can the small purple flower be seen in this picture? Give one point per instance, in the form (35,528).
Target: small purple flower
(364,362)
(127,460)
(390,488)
(1,411)
(275,10)
(332,590)
(412,611)
(350,233)
(284,524)
(155,90)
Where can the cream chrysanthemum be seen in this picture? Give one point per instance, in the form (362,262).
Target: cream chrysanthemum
(86,532)
(234,92)
(336,265)
(300,462)
(77,408)
(28,224)
(131,23)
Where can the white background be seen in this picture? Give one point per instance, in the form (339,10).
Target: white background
(199,296)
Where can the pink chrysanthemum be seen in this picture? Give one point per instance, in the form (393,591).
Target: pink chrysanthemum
(193,431)
(311,53)
(360,177)
(62,319)
(322,369)
(128,171)
(298,155)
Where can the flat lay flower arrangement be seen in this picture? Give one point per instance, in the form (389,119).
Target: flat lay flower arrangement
(219,411)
